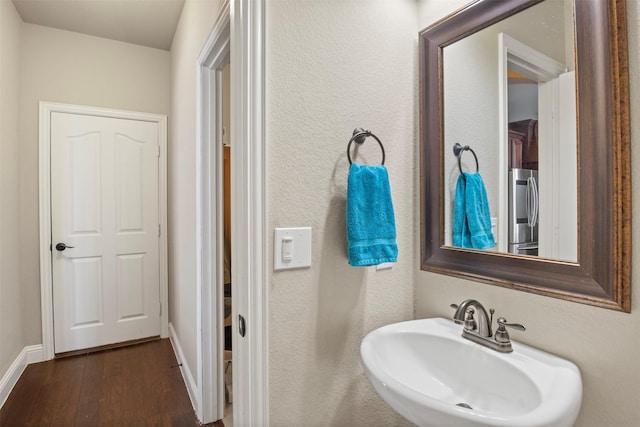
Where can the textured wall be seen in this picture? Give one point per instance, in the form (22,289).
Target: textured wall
(72,68)
(332,66)
(12,338)
(603,343)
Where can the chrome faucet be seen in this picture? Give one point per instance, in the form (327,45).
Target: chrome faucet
(480,330)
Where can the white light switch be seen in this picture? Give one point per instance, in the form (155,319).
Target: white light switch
(292,248)
(287,249)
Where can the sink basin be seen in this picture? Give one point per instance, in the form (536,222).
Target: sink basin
(432,376)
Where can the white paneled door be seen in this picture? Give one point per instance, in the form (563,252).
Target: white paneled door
(104,229)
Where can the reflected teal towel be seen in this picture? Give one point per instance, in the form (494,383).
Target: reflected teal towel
(371,227)
(471,217)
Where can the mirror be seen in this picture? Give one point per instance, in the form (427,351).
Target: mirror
(508,94)
(560,161)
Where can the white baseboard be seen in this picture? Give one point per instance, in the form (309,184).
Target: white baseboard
(28,355)
(192,387)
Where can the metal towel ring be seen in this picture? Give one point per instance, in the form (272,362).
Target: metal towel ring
(359,136)
(458,150)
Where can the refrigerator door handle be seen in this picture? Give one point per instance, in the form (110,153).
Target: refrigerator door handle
(529,201)
(532,202)
(536,199)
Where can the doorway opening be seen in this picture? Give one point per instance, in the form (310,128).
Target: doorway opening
(538,153)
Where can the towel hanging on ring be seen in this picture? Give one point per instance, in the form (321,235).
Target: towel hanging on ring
(471,217)
(371,230)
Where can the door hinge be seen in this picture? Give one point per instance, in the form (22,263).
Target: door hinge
(159,230)
(158,151)
(160,304)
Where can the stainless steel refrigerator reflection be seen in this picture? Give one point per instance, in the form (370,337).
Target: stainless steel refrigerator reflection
(523,211)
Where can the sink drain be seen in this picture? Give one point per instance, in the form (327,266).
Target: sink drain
(463,405)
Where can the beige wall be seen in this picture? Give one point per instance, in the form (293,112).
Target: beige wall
(604,344)
(332,66)
(67,67)
(12,338)
(196,22)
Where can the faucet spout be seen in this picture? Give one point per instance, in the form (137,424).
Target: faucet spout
(483,322)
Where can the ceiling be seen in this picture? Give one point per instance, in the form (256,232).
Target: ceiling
(149,23)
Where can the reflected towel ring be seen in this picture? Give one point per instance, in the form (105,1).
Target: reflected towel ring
(359,136)
(458,150)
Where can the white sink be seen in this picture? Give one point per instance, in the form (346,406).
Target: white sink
(424,370)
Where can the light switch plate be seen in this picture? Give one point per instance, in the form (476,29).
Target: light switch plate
(299,252)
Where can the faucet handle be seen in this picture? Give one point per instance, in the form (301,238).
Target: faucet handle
(502,322)
(456,320)
(502,336)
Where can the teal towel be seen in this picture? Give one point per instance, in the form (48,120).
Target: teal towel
(461,234)
(471,217)
(371,227)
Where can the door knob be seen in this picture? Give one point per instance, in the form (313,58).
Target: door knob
(61,246)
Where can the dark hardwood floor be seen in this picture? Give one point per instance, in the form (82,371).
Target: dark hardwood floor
(139,385)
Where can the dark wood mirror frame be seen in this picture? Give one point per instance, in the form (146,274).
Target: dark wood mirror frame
(602,275)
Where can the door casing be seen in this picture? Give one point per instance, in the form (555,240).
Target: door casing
(209,221)
(46,291)
(246,27)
